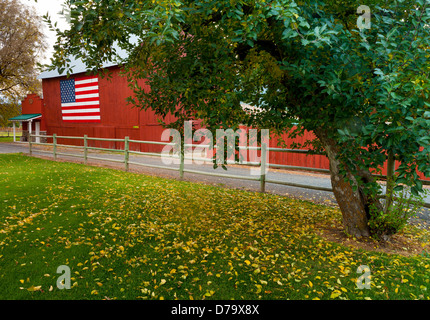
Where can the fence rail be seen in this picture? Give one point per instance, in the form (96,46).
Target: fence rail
(263,164)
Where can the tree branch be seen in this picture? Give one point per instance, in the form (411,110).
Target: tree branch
(268,46)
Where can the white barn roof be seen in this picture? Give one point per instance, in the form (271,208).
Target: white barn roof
(78,66)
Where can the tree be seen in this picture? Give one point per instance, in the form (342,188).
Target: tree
(363,92)
(8,109)
(21,45)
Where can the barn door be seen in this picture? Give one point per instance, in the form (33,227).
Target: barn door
(37,125)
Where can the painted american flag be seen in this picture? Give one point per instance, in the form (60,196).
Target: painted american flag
(80,100)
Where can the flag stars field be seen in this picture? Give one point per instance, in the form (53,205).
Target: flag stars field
(130,236)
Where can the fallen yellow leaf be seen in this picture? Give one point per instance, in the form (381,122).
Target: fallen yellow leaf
(33,288)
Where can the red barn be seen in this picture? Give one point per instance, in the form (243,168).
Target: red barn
(31,117)
(80,105)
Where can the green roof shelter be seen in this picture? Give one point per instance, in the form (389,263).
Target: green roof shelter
(26,118)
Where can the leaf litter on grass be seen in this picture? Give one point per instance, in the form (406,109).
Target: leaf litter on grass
(129,236)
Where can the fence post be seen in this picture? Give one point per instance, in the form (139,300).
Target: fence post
(30,145)
(126,152)
(54,142)
(182,159)
(263,168)
(390,179)
(85,149)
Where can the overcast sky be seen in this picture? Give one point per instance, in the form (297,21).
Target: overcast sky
(53,7)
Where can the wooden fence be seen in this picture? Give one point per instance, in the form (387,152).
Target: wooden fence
(263,164)
(9,131)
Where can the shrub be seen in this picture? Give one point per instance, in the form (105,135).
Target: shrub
(394,218)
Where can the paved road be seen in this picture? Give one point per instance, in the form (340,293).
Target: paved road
(311,179)
(13,148)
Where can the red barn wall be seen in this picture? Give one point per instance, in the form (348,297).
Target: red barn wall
(119,119)
(33,104)
(296,159)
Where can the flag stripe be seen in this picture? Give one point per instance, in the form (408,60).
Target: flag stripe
(85,117)
(95,110)
(82,121)
(87,90)
(88,96)
(80,109)
(77,104)
(80,99)
(89,115)
(90,100)
(86,82)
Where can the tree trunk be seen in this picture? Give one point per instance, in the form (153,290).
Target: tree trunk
(352,202)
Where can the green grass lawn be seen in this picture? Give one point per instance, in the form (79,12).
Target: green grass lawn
(8,139)
(130,236)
